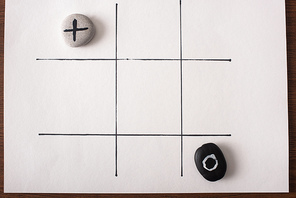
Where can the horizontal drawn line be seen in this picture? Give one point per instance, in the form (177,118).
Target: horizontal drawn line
(77,29)
(135,59)
(132,135)
(76,59)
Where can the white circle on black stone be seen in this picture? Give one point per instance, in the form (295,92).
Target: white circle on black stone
(210,162)
(77,30)
(204,162)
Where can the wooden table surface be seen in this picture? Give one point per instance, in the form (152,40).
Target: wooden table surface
(291,52)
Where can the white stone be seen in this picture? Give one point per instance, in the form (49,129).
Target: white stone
(78,30)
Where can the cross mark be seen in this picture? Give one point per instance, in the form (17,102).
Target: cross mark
(75,29)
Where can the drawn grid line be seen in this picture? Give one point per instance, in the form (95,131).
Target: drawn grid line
(181,85)
(116,59)
(116,105)
(138,59)
(135,134)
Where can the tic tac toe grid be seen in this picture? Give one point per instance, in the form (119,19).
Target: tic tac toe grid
(117,59)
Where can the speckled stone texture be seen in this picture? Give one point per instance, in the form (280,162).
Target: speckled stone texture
(78,30)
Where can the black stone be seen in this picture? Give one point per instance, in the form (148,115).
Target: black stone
(210,162)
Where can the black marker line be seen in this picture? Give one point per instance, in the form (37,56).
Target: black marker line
(135,135)
(116,109)
(75,29)
(136,59)
(75,59)
(181,85)
(176,59)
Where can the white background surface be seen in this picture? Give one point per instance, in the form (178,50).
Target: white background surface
(246,97)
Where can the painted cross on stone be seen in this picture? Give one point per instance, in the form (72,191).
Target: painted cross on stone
(75,29)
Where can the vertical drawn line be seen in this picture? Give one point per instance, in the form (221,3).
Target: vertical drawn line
(116,109)
(74,29)
(181,87)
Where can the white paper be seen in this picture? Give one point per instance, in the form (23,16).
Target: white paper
(246,98)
